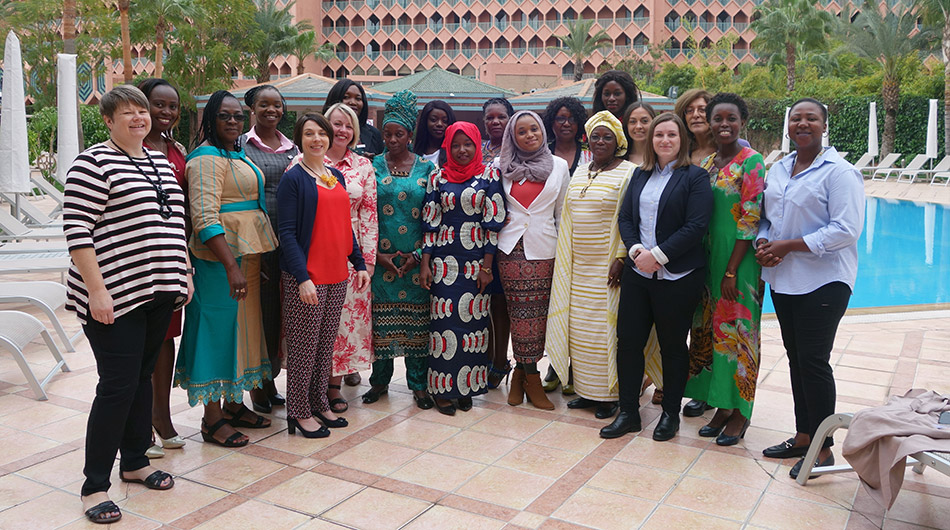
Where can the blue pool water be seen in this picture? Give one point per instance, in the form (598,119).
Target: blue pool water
(903,255)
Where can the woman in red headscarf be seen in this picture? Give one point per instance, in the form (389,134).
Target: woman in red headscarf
(463,213)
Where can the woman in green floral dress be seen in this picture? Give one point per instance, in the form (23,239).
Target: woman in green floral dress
(724,342)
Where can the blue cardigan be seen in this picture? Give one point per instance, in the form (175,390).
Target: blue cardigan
(296,210)
(685,209)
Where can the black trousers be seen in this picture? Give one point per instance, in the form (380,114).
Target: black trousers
(809,323)
(271,309)
(668,304)
(121,415)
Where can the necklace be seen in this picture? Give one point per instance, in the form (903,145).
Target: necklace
(164,208)
(327,178)
(594,174)
(392,168)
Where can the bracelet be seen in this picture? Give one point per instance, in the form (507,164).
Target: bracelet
(728,274)
(190,270)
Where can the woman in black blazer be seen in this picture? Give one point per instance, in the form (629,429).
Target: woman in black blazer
(662,222)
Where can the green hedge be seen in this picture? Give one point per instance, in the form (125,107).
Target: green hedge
(848,117)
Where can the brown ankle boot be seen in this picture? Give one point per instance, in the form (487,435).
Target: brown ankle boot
(516,390)
(535,392)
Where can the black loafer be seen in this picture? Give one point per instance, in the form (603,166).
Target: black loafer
(581,403)
(424,402)
(606,410)
(785,449)
(667,427)
(374,393)
(695,408)
(624,422)
(797,468)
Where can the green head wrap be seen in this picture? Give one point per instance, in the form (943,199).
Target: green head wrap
(401,109)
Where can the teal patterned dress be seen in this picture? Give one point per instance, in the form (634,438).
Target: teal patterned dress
(400,305)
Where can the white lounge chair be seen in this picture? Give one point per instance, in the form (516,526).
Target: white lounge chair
(915,164)
(910,176)
(843,154)
(863,162)
(886,163)
(945,176)
(14,230)
(921,460)
(17,329)
(47,296)
(773,157)
(50,191)
(31,262)
(34,216)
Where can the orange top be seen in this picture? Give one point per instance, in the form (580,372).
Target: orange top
(332,239)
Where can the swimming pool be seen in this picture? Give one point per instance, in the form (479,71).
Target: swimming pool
(903,255)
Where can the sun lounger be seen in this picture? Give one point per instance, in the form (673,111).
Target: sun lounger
(945,176)
(36,218)
(47,296)
(915,164)
(30,262)
(773,157)
(910,175)
(50,191)
(14,230)
(17,329)
(886,163)
(921,460)
(33,247)
(863,162)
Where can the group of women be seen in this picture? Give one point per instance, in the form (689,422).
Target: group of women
(629,247)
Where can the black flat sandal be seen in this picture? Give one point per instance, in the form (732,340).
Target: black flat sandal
(338,401)
(95,514)
(237,419)
(209,436)
(153,481)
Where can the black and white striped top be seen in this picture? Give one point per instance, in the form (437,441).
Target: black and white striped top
(110,206)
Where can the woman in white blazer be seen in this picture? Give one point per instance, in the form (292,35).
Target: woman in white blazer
(535,183)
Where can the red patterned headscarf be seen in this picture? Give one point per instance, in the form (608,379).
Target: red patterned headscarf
(453,171)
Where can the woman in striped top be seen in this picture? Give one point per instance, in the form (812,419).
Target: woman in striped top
(124,219)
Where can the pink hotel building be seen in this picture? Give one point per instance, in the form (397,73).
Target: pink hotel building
(503,41)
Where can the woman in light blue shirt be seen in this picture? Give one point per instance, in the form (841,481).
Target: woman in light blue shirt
(812,217)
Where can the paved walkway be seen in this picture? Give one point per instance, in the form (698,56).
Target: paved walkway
(493,467)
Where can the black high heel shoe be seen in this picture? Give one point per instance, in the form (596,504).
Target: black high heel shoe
(725,440)
(293,425)
(708,431)
(465,404)
(333,424)
(448,410)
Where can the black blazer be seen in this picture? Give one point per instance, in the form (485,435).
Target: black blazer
(683,216)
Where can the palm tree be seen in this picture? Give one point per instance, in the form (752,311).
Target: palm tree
(888,38)
(789,27)
(305,44)
(165,14)
(69,26)
(936,13)
(280,32)
(127,73)
(579,44)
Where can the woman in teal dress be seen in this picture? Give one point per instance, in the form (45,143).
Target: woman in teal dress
(400,304)
(724,344)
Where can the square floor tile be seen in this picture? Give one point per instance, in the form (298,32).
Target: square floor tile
(234,471)
(166,506)
(732,469)
(670,456)
(667,518)
(445,518)
(15,490)
(477,446)
(374,456)
(568,437)
(720,499)
(630,479)
(374,509)
(505,487)
(417,434)
(540,460)
(440,472)
(311,493)
(782,512)
(603,510)
(510,425)
(47,511)
(921,508)
(253,514)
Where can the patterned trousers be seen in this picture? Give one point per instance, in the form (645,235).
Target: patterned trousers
(527,286)
(310,331)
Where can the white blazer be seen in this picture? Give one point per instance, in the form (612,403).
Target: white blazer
(540,220)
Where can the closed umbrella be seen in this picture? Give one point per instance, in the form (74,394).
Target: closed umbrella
(826,138)
(67,130)
(873,148)
(786,146)
(932,130)
(14,151)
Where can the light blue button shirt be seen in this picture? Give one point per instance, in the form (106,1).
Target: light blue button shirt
(824,205)
(649,210)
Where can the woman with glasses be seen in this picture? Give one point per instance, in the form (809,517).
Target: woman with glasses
(223,352)
(564,119)
(582,318)
(271,152)
(124,219)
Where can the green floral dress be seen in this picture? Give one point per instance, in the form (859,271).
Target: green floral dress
(724,340)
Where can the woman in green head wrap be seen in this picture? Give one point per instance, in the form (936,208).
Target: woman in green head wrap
(400,305)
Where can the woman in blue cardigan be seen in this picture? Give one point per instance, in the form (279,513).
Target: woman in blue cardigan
(312,204)
(662,222)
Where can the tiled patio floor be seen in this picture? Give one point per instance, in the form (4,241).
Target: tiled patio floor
(496,466)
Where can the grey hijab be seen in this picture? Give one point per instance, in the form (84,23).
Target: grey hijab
(517,164)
